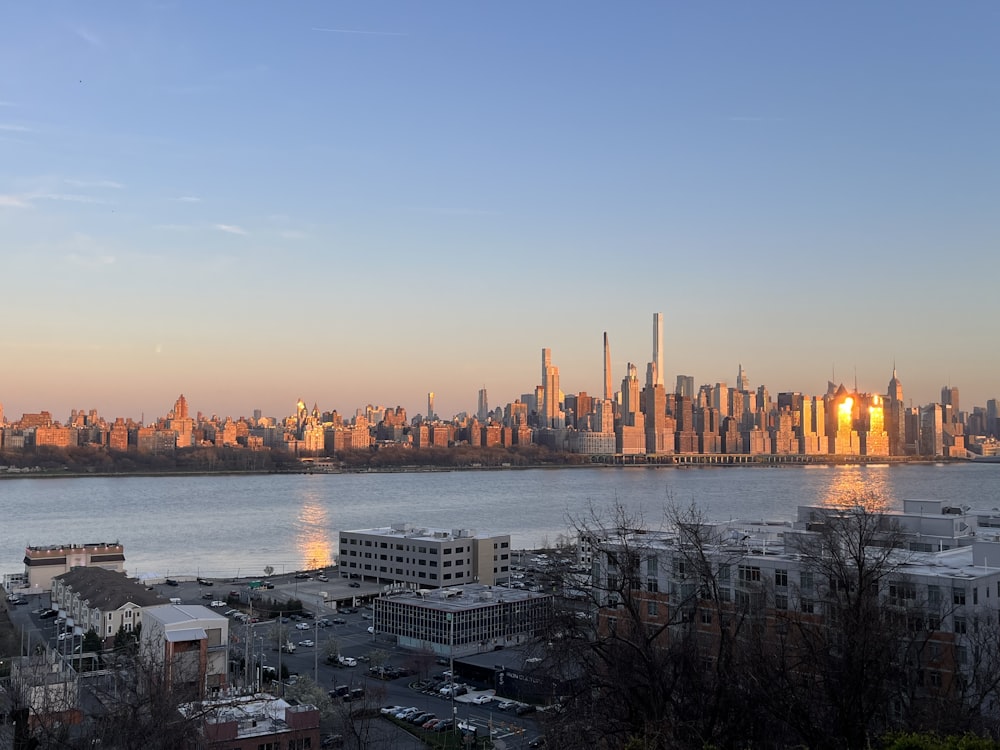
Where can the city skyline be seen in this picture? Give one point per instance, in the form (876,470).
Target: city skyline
(360,204)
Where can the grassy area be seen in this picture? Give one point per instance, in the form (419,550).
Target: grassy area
(450,740)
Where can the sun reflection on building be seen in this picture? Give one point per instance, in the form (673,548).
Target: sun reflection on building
(867,486)
(312,536)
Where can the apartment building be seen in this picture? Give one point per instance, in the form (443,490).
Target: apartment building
(101,600)
(424,557)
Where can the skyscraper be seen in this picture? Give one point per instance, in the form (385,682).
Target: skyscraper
(430,405)
(742,381)
(657,374)
(549,413)
(608,391)
(483,410)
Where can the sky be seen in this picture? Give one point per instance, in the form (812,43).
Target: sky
(351,203)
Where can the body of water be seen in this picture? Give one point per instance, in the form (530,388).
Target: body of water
(228,525)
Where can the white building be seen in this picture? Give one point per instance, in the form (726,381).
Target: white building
(42,564)
(424,557)
(191,642)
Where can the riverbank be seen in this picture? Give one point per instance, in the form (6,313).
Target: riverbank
(606,462)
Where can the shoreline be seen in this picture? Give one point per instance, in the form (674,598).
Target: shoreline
(685,461)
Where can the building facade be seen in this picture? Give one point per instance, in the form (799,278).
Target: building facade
(463,620)
(42,564)
(424,557)
(191,643)
(101,600)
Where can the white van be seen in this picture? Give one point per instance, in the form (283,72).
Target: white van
(175,600)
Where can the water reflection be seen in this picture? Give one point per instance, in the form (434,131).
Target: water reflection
(867,486)
(312,536)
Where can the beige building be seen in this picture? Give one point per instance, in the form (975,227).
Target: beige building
(42,564)
(428,558)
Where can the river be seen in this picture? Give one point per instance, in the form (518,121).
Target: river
(222,526)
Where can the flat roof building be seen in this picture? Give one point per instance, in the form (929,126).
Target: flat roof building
(191,642)
(42,564)
(424,557)
(462,620)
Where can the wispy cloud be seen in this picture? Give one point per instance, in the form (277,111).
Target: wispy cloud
(188,199)
(232,229)
(359,31)
(67,197)
(13,201)
(11,128)
(95,184)
(88,36)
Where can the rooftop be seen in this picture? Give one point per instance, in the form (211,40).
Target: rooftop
(107,590)
(465,597)
(410,531)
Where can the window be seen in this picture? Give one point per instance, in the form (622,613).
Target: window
(902,593)
(652,585)
(934,596)
(724,574)
(447,563)
(958,597)
(651,608)
(447,550)
(368,542)
(421,574)
(504,545)
(960,625)
(383,545)
(781,578)
(706,617)
(459,550)
(447,576)
(749,573)
(806,580)
(781,601)
(807,606)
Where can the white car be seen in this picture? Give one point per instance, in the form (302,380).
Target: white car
(482,699)
(303,626)
(307,642)
(218,603)
(386,710)
(506,705)
(65,636)
(347,661)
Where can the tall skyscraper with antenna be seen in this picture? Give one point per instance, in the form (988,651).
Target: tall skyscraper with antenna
(657,373)
(608,390)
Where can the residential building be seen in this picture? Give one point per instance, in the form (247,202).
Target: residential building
(425,557)
(460,620)
(42,564)
(104,601)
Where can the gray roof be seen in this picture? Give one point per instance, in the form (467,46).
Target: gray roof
(108,590)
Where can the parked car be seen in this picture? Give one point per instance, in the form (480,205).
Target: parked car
(171,582)
(303,576)
(537,742)
(354,585)
(482,699)
(366,616)
(205,582)
(47,613)
(524,708)
(323,622)
(339,621)
(218,603)
(206,596)
(347,661)
(302,626)
(386,710)
(307,642)
(506,705)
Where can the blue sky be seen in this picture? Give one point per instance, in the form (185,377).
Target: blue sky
(358,203)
